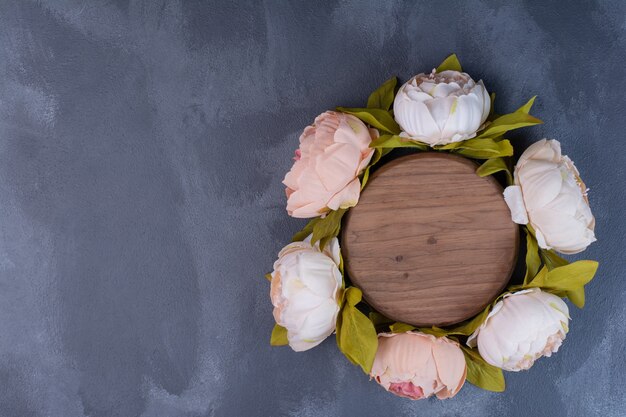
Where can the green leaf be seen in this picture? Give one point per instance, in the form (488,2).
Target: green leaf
(304,233)
(378,118)
(279,336)
(352,296)
(493,165)
(356,335)
(378,319)
(448,146)
(268,276)
(551,259)
(383,97)
(519,118)
(395,141)
(577,297)
(451,63)
(376,157)
(484,148)
(526,107)
(365,178)
(565,278)
(398,327)
(480,373)
(533,262)
(327,228)
(366,174)
(434,330)
(469,327)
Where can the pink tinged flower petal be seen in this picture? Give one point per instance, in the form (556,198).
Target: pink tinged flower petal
(337,166)
(301,205)
(406,390)
(309,197)
(398,356)
(546,150)
(366,157)
(276,297)
(304,291)
(325,126)
(516,335)
(583,213)
(566,233)
(306,212)
(347,197)
(291,248)
(450,363)
(567,201)
(411,358)
(426,377)
(514,199)
(292,177)
(353,131)
(541,182)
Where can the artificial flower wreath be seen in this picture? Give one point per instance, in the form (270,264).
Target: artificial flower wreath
(443,111)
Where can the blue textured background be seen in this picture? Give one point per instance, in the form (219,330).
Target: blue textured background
(142,148)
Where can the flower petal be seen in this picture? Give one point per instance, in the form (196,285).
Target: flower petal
(515,200)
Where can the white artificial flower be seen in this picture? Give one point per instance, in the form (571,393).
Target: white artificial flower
(521,328)
(550,195)
(441,108)
(305,289)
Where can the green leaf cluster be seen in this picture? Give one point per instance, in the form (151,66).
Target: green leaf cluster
(480,373)
(378,118)
(557,275)
(356,335)
(382,98)
(378,153)
(399,327)
(395,141)
(502,124)
(483,148)
(323,229)
(378,113)
(494,165)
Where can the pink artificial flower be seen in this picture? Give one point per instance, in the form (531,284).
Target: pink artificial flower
(333,152)
(417,365)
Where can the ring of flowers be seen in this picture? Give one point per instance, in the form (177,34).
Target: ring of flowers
(442,111)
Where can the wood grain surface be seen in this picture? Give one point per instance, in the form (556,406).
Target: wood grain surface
(430,242)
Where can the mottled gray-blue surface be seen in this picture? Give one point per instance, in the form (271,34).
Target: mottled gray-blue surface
(142,148)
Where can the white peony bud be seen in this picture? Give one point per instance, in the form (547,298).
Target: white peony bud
(305,288)
(441,108)
(550,195)
(521,328)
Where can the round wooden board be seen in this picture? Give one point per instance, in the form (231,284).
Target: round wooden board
(430,242)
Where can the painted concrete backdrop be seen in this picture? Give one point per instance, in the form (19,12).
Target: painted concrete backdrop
(142,148)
